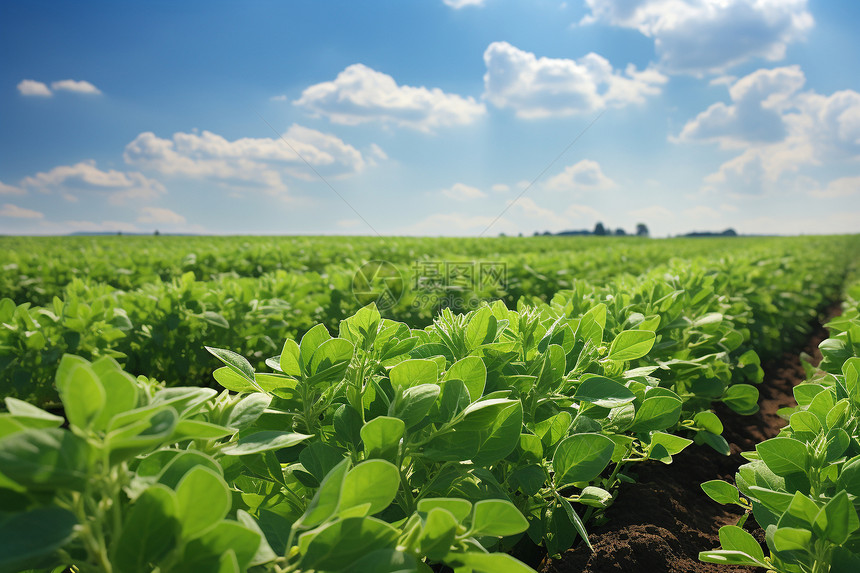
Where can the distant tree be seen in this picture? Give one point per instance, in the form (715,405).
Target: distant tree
(599,229)
(156,233)
(642,230)
(619,232)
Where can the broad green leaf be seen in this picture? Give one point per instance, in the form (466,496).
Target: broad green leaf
(327,498)
(603,392)
(438,534)
(263,441)
(149,531)
(734,538)
(725,557)
(709,421)
(199,430)
(595,496)
(414,372)
(83,396)
(264,553)
(48,460)
(783,456)
(413,404)
(203,499)
(245,412)
(226,537)
(657,413)
(473,372)
(502,436)
(146,429)
(372,481)
(381,437)
(31,416)
(481,329)
(320,458)
(792,539)
(742,398)
(631,344)
(721,492)
(591,325)
(387,561)
(337,545)
(330,361)
(492,562)
(312,339)
(236,362)
(581,458)
(837,519)
(289,359)
(496,517)
(27,538)
(459,508)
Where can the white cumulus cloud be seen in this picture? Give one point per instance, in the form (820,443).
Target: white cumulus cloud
(842,187)
(360,94)
(246,162)
(77,86)
(699,36)
(778,130)
(14,212)
(72,180)
(457,4)
(463,192)
(536,87)
(160,215)
(33,88)
(10,189)
(586,175)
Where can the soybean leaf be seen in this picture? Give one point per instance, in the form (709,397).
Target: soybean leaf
(414,372)
(498,518)
(45,460)
(326,500)
(381,436)
(603,392)
(413,404)
(472,371)
(495,562)
(288,362)
(337,545)
(149,531)
(734,538)
(203,499)
(235,362)
(27,538)
(264,441)
(742,398)
(330,361)
(31,416)
(372,481)
(581,457)
(721,492)
(384,561)
(837,519)
(631,344)
(226,537)
(481,329)
(459,508)
(438,534)
(792,539)
(657,413)
(783,455)
(83,396)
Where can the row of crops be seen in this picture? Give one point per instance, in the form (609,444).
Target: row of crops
(155,303)
(803,486)
(396,446)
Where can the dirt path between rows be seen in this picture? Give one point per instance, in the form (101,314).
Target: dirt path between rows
(662,522)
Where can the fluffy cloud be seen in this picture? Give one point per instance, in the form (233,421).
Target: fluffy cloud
(697,36)
(585,175)
(360,94)
(256,162)
(463,192)
(77,86)
(457,4)
(10,189)
(756,114)
(778,129)
(160,215)
(543,87)
(843,187)
(15,212)
(33,88)
(71,180)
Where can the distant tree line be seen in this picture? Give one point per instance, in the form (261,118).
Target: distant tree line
(602,231)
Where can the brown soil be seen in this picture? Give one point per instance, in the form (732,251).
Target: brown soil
(662,522)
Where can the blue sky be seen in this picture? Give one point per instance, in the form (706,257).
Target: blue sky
(429,117)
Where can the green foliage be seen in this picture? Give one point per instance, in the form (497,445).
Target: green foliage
(803,486)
